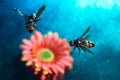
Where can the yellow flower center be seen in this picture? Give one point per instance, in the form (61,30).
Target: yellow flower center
(46,55)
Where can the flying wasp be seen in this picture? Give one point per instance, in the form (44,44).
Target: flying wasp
(82,42)
(30,21)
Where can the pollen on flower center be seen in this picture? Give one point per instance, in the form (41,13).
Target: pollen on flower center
(46,55)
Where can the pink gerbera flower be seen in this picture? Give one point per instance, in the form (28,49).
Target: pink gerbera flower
(49,55)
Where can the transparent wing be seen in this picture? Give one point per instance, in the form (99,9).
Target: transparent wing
(20,13)
(86,31)
(41,9)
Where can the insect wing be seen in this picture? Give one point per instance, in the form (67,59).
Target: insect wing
(41,9)
(86,31)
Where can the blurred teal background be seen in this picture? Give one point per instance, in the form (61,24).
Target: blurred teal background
(69,18)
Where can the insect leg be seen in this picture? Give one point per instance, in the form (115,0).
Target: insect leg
(79,50)
(37,27)
(74,49)
(87,50)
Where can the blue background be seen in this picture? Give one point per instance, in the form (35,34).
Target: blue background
(69,18)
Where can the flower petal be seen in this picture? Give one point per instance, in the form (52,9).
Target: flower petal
(38,36)
(27,42)
(60,70)
(59,48)
(24,47)
(26,52)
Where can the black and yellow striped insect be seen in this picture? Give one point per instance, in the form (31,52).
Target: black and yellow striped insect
(82,43)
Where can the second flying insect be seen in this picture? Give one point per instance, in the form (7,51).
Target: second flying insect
(30,20)
(82,43)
